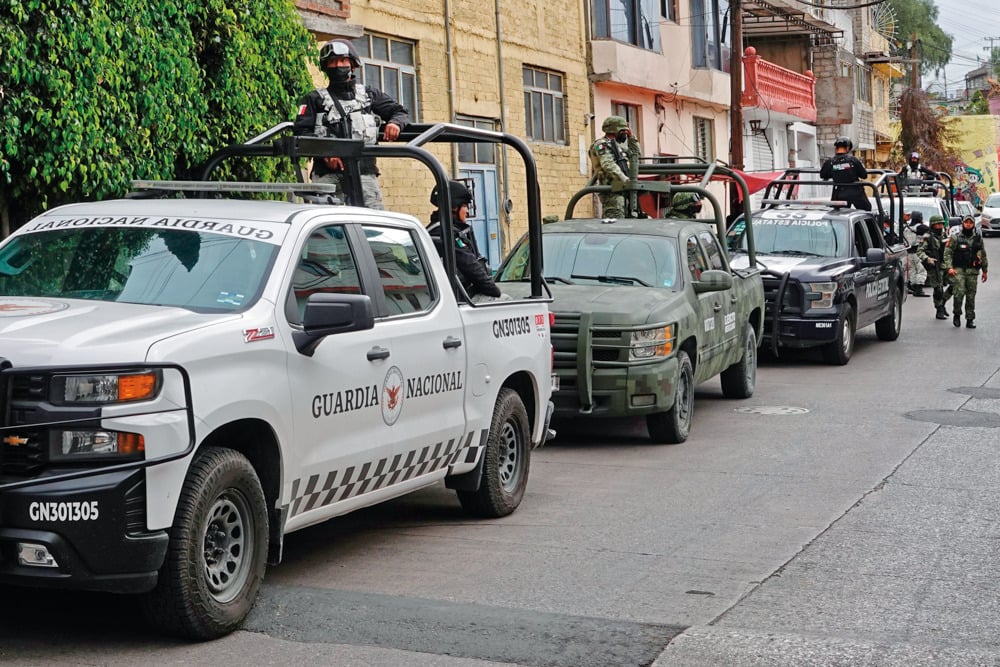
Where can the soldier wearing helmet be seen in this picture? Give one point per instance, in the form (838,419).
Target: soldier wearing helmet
(472,271)
(964,257)
(843,168)
(930,252)
(349,110)
(609,159)
(685,205)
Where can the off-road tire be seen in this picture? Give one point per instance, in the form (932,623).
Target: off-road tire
(740,379)
(674,425)
(838,352)
(217,553)
(888,327)
(507,460)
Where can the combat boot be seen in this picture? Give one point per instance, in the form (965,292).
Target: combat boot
(957,320)
(941,314)
(918,290)
(970,324)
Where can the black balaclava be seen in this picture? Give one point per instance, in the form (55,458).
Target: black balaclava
(339,75)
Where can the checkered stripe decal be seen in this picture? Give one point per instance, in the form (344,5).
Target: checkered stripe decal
(339,485)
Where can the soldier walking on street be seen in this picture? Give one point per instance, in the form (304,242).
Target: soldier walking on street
(913,234)
(347,109)
(844,168)
(964,256)
(930,252)
(610,164)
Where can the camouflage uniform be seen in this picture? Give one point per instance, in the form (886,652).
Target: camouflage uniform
(930,252)
(609,165)
(966,254)
(915,268)
(684,206)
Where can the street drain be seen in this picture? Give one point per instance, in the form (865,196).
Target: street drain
(967,418)
(772,410)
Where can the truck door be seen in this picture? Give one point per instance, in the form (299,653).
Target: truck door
(867,284)
(709,309)
(717,260)
(340,435)
(885,274)
(425,379)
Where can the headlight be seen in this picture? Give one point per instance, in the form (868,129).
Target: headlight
(88,444)
(106,388)
(651,343)
(820,295)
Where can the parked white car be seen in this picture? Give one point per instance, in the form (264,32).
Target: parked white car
(990,216)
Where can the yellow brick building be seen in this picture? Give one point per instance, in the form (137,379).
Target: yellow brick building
(517,65)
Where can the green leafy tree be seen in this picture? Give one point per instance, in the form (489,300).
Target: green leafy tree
(96,93)
(920,18)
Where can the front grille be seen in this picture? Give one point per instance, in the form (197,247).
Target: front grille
(609,345)
(565,333)
(792,302)
(23,450)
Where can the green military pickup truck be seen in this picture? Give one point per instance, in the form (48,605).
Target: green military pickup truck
(646,308)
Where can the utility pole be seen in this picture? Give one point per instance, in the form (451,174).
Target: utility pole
(914,62)
(736,85)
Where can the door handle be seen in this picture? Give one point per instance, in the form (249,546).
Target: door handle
(451,343)
(378,353)
(717,307)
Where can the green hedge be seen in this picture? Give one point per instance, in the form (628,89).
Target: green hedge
(95,93)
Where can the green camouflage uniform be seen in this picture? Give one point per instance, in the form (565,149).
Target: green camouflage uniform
(604,156)
(932,248)
(967,255)
(682,206)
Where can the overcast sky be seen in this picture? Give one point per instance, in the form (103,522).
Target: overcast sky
(969,22)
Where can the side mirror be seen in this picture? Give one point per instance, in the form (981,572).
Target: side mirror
(328,314)
(875,256)
(713,280)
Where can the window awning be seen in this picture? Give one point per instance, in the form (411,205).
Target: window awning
(767,18)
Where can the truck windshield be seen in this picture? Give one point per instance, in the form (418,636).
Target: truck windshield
(600,259)
(201,271)
(794,236)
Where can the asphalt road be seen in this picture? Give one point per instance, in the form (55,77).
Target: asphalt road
(840,516)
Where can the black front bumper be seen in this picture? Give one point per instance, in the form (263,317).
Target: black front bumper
(111,551)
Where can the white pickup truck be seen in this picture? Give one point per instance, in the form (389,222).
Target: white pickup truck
(186,380)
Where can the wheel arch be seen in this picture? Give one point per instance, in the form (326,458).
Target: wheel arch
(524,384)
(690,345)
(256,440)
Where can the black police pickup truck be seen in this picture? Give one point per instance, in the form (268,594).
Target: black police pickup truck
(828,271)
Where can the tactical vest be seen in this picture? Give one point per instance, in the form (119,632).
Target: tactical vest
(965,254)
(361,122)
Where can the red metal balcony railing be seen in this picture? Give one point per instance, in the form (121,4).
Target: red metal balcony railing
(776,88)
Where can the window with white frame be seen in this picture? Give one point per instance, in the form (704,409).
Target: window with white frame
(704,138)
(544,105)
(668,9)
(477,153)
(631,113)
(710,41)
(390,65)
(634,22)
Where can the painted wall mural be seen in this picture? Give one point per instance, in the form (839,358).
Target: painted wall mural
(976,175)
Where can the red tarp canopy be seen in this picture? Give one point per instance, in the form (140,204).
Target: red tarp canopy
(756,181)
